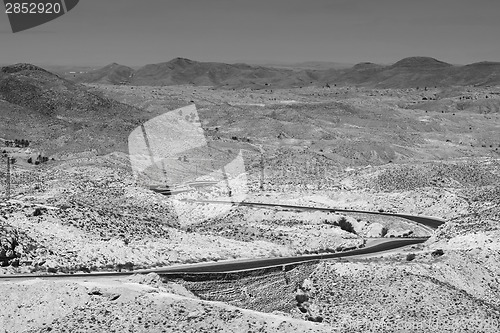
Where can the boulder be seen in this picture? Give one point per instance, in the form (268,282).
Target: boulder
(357,225)
(307,285)
(375,230)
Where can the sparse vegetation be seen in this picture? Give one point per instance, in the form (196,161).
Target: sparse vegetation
(437,253)
(18,143)
(345,225)
(345,147)
(410,256)
(9,242)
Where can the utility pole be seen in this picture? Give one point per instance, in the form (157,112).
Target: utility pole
(226,178)
(262,175)
(7,185)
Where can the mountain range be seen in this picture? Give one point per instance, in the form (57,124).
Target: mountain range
(407,73)
(62,116)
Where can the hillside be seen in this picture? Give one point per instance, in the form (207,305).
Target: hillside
(60,116)
(432,152)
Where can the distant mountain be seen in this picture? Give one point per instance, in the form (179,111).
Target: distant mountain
(59,115)
(365,66)
(310,65)
(65,69)
(111,74)
(479,73)
(406,73)
(415,72)
(185,71)
(420,63)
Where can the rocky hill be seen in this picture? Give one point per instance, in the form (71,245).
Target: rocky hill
(61,116)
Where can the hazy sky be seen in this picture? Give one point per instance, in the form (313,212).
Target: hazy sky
(98,32)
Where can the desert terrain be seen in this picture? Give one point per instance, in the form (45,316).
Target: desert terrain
(372,138)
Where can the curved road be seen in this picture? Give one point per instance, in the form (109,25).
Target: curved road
(249,264)
(429,221)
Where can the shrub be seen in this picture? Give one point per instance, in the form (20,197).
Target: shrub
(301,298)
(437,253)
(128,265)
(51,270)
(346,225)
(317,319)
(37,212)
(410,256)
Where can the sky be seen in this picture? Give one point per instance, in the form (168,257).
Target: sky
(139,32)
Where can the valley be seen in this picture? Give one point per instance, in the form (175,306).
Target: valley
(430,148)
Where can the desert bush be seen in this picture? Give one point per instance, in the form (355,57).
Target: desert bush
(301,298)
(317,319)
(302,309)
(346,225)
(83,268)
(410,256)
(51,270)
(21,143)
(437,253)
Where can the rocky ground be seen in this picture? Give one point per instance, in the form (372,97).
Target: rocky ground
(136,304)
(379,150)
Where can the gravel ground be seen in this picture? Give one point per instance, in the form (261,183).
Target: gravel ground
(138,304)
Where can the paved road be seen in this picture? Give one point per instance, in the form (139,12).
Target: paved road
(247,264)
(432,222)
(238,265)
